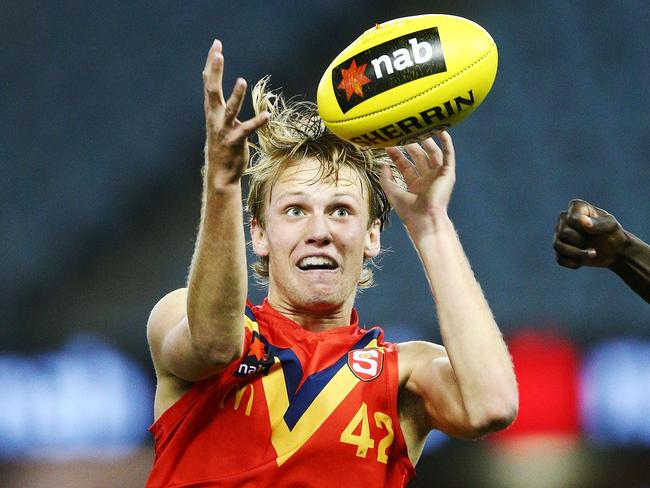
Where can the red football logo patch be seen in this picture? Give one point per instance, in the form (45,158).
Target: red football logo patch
(366,364)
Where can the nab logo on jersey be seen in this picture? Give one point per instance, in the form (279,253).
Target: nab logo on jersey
(366,364)
(260,357)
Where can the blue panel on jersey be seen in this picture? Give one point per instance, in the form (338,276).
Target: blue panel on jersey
(249,313)
(300,399)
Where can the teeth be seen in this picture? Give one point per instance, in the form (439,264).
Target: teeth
(316,261)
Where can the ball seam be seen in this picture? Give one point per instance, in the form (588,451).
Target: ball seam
(478,60)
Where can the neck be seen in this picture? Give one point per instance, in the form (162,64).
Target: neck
(313,317)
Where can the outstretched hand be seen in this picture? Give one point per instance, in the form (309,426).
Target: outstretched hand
(587,235)
(226,148)
(429,179)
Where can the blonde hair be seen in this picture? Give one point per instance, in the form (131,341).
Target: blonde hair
(295,132)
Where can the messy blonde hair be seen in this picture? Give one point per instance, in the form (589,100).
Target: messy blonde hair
(295,132)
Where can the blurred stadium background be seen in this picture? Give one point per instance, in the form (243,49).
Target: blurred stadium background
(101,137)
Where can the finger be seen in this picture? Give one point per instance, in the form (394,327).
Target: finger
(387,181)
(245,129)
(215,48)
(577,208)
(567,263)
(434,153)
(561,221)
(599,225)
(448,151)
(419,156)
(234,103)
(573,253)
(405,167)
(213,81)
(394,192)
(571,236)
(389,185)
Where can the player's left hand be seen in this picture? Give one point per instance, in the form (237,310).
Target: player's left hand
(429,179)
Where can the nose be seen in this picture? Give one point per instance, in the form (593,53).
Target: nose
(318,230)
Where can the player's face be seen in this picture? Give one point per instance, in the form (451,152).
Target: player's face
(316,238)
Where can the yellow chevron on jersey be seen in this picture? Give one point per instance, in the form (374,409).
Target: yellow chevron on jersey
(251,324)
(286,438)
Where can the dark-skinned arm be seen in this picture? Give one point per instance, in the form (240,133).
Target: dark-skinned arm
(586,235)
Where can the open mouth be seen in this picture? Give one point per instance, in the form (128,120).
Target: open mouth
(317,263)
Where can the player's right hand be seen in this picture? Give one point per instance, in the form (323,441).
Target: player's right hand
(586,235)
(226,148)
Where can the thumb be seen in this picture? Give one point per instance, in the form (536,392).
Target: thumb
(605,224)
(388,183)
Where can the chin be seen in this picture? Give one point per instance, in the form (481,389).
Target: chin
(317,292)
(321,298)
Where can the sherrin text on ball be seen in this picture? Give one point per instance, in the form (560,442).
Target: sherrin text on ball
(403,80)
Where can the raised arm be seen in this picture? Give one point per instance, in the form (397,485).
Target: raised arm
(586,235)
(194,333)
(467,388)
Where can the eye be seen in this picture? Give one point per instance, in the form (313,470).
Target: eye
(294,212)
(341,212)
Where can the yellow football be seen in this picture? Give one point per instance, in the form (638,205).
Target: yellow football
(404,80)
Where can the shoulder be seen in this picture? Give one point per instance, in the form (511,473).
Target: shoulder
(166,314)
(170,302)
(415,348)
(411,354)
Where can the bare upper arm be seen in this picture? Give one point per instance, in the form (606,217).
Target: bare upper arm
(426,374)
(170,342)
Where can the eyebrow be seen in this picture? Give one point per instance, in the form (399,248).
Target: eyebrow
(293,193)
(298,193)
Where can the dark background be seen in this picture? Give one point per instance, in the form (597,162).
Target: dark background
(101,138)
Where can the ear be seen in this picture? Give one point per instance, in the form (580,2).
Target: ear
(373,245)
(258,239)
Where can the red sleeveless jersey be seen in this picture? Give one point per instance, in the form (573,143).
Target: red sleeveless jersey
(298,409)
